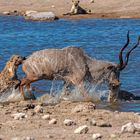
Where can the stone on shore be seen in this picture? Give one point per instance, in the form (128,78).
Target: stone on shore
(19,116)
(27,13)
(46,117)
(69,122)
(53,121)
(96,136)
(81,130)
(24,138)
(130,127)
(6,13)
(40,16)
(103,124)
(38,109)
(84,107)
(93,122)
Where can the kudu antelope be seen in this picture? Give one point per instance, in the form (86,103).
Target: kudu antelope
(110,72)
(73,66)
(68,64)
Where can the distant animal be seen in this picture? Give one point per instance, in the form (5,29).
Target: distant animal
(8,76)
(76,9)
(68,64)
(109,72)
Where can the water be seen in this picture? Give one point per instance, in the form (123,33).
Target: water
(100,38)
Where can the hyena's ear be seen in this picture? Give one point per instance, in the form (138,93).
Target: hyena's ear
(12,58)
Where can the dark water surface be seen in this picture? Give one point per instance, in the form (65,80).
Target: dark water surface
(100,38)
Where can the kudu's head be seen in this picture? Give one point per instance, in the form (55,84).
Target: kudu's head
(114,71)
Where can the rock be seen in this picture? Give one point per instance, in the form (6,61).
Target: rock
(19,116)
(53,121)
(69,122)
(6,13)
(81,130)
(46,117)
(12,13)
(137,126)
(49,136)
(104,124)
(24,138)
(93,122)
(117,112)
(138,113)
(96,136)
(28,138)
(27,13)
(53,6)
(15,138)
(113,136)
(129,127)
(84,107)
(42,16)
(38,109)
(91,1)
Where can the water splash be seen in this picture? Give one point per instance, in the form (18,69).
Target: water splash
(95,92)
(12,95)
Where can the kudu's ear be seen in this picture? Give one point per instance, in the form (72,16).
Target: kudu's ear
(12,58)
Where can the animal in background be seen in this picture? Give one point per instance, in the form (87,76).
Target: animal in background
(76,9)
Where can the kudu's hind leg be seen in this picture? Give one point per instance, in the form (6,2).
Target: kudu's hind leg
(26,82)
(23,82)
(29,91)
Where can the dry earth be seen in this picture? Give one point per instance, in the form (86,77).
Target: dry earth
(39,129)
(100,8)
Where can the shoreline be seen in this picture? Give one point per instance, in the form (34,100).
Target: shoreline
(99,8)
(37,122)
(88,16)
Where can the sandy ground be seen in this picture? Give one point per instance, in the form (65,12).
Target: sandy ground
(100,8)
(39,129)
